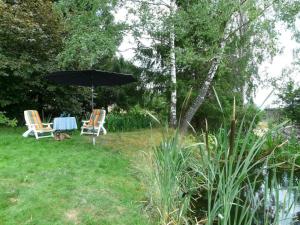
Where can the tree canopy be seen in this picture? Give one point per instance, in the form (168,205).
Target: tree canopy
(92,34)
(187,53)
(290,97)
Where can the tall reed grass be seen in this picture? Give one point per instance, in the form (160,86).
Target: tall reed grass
(230,177)
(217,180)
(167,182)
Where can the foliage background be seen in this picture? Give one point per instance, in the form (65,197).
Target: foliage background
(38,37)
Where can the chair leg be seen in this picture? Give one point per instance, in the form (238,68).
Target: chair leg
(26,133)
(98,132)
(104,130)
(36,135)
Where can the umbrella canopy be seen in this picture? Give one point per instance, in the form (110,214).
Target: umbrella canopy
(90,78)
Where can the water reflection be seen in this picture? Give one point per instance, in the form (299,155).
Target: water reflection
(278,199)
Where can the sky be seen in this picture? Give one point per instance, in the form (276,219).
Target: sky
(265,95)
(274,69)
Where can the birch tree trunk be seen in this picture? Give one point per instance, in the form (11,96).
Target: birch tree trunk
(187,118)
(241,33)
(173,102)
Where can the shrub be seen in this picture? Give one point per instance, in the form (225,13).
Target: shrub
(218,108)
(290,98)
(4,121)
(288,154)
(134,119)
(248,114)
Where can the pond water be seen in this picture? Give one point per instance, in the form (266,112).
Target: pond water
(283,196)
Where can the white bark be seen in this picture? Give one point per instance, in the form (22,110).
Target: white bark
(242,30)
(204,88)
(173,102)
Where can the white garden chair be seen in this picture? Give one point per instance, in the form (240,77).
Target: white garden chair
(35,125)
(98,118)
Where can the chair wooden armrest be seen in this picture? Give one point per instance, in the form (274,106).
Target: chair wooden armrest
(32,125)
(47,125)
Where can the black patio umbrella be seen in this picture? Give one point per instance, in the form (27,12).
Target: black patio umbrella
(90,78)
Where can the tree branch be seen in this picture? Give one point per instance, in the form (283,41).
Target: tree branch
(250,21)
(152,3)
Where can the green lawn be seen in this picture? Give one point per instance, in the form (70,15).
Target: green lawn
(47,182)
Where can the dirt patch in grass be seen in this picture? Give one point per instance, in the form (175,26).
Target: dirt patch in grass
(13,200)
(73,216)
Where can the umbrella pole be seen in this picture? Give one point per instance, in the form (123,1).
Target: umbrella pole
(93,119)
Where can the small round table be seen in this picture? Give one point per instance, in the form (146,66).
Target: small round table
(64,123)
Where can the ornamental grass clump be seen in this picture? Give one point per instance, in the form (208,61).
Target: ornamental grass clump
(168,183)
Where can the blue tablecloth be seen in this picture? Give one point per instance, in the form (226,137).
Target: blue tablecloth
(64,123)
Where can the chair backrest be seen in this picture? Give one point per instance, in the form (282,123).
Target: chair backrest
(98,116)
(33,117)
